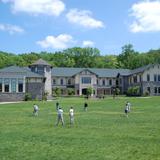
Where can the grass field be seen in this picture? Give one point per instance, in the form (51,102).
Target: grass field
(101,133)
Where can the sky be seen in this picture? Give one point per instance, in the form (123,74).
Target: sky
(54,25)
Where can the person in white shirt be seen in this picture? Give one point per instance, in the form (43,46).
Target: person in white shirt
(71,116)
(35,110)
(129,106)
(60,116)
(126,109)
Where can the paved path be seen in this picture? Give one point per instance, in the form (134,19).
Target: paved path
(9,102)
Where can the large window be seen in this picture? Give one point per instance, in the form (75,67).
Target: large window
(20,85)
(13,85)
(86,80)
(6,85)
(1,84)
(40,69)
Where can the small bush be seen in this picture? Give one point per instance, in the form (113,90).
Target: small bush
(27,97)
(133,91)
(146,93)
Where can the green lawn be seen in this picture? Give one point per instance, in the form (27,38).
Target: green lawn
(101,133)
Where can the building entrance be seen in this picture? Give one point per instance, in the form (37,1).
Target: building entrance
(84,91)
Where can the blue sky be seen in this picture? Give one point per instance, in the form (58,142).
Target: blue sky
(52,25)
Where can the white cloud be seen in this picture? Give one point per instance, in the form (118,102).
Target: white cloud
(11,28)
(147,16)
(62,41)
(36,7)
(83,18)
(88,44)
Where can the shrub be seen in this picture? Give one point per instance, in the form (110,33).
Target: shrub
(70,91)
(133,91)
(27,97)
(44,96)
(57,92)
(146,93)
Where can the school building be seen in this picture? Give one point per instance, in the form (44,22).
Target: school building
(41,77)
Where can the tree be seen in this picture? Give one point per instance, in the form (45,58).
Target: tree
(89,91)
(125,59)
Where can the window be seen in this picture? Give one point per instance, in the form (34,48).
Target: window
(33,69)
(40,69)
(20,85)
(103,82)
(158,77)
(135,79)
(86,80)
(140,78)
(97,82)
(54,81)
(0,84)
(13,85)
(159,90)
(61,81)
(6,85)
(155,90)
(155,78)
(148,89)
(110,82)
(148,77)
(69,81)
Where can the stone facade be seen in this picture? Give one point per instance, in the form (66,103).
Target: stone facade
(40,77)
(5,97)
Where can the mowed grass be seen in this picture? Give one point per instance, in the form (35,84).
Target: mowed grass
(101,133)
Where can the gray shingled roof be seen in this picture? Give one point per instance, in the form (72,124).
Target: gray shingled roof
(69,72)
(141,69)
(17,71)
(41,62)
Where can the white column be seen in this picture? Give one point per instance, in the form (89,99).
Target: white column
(9,85)
(2,84)
(24,84)
(16,85)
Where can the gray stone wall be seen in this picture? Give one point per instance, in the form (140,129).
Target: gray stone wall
(152,86)
(35,89)
(6,97)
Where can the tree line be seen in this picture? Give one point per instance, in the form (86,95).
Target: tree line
(85,58)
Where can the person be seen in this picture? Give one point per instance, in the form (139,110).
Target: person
(35,110)
(126,110)
(71,115)
(60,116)
(57,106)
(85,106)
(129,106)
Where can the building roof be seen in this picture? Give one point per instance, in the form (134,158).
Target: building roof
(141,69)
(18,72)
(69,72)
(40,62)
